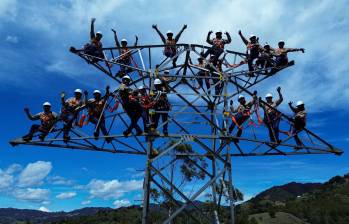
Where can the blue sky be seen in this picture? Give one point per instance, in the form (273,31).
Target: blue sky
(36,66)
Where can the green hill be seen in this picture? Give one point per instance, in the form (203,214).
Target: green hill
(293,203)
(327,203)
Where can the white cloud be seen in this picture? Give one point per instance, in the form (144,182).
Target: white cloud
(318,71)
(14,168)
(66,195)
(113,189)
(87,202)
(36,195)
(6,180)
(34,174)
(79,187)
(121,203)
(58,180)
(8,9)
(44,209)
(12,39)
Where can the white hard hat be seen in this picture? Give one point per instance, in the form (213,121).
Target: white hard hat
(219,31)
(166,71)
(126,77)
(266,44)
(78,91)
(252,36)
(241,96)
(124,40)
(143,87)
(169,32)
(46,104)
(299,103)
(268,95)
(97,91)
(100,33)
(281,41)
(157,82)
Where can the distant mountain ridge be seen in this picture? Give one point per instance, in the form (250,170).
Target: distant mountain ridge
(10,215)
(292,203)
(286,192)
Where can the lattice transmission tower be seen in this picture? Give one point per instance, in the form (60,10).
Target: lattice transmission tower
(198,141)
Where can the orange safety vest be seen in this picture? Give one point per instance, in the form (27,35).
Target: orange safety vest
(218,43)
(125,53)
(97,43)
(171,48)
(96,107)
(46,118)
(72,103)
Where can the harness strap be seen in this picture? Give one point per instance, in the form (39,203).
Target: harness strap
(236,123)
(81,121)
(115,107)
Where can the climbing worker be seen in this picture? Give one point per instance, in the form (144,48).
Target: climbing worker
(166,78)
(217,77)
(271,116)
(134,110)
(124,90)
(161,106)
(218,44)
(280,54)
(96,107)
(299,121)
(95,47)
(125,54)
(241,113)
(47,118)
(70,111)
(131,105)
(146,104)
(170,49)
(265,59)
(203,75)
(252,51)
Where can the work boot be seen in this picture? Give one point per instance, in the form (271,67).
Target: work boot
(108,139)
(96,135)
(154,153)
(66,138)
(27,138)
(140,133)
(126,133)
(42,137)
(165,132)
(298,147)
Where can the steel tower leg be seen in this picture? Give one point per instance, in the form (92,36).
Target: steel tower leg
(146,185)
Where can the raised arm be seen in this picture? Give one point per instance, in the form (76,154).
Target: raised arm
(117,43)
(62,99)
(243,38)
(107,93)
(85,98)
(295,49)
(163,39)
(228,41)
(92,30)
(30,116)
(180,32)
(279,101)
(136,41)
(232,110)
(208,38)
(292,107)
(254,99)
